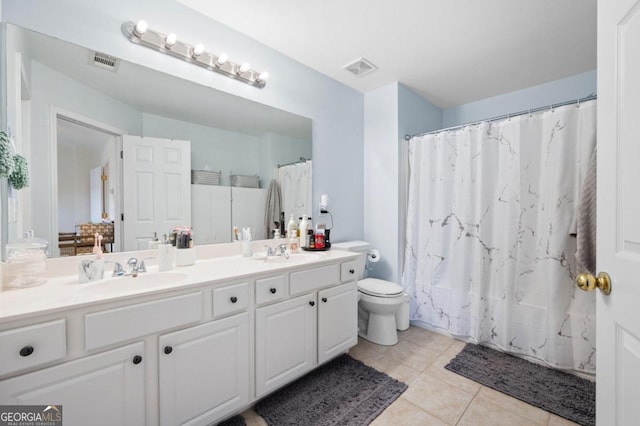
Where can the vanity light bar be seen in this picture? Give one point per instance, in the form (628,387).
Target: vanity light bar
(140,34)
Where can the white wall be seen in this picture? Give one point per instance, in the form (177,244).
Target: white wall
(390,113)
(336,110)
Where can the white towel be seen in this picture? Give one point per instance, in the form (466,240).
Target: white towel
(585,220)
(273,207)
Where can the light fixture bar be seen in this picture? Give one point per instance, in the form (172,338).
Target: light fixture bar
(140,34)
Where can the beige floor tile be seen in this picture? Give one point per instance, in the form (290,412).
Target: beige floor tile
(560,421)
(437,370)
(365,344)
(485,413)
(394,368)
(252,418)
(364,354)
(438,398)
(416,357)
(534,415)
(428,339)
(404,413)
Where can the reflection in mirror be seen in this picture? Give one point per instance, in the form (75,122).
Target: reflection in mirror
(72,111)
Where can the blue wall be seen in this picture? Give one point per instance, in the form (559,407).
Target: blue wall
(390,112)
(553,92)
(336,110)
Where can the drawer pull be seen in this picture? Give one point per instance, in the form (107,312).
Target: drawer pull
(324,299)
(137,359)
(272,290)
(26,351)
(312,303)
(352,271)
(234,299)
(168,350)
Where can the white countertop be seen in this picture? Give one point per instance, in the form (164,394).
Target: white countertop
(62,291)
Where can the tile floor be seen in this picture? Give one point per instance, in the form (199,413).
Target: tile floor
(435,395)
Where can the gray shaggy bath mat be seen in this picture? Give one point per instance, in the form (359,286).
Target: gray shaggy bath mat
(342,392)
(561,393)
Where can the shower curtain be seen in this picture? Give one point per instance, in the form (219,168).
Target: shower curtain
(489,253)
(295,186)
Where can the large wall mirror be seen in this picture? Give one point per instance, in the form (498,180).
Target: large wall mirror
(72,111)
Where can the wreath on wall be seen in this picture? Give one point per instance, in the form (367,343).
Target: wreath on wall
(14,167)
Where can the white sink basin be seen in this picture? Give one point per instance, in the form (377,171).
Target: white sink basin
(295,258)
(143,280)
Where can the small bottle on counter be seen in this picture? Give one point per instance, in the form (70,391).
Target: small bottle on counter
(319,238)
(311,244)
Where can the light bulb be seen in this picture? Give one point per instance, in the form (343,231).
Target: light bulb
(244,67)
(197,51)
(140,28)
(263,76)
(170,40)
(222,59)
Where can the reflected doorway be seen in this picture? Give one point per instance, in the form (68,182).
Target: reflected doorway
(88,191)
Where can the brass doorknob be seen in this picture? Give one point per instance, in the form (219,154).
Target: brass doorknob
(588,282)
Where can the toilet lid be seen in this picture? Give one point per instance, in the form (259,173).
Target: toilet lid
(376,287)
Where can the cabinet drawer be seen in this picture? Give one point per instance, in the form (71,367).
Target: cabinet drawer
(117,325)
(31,346)
(230,298)
(270,289)
(312,279)
(349,271)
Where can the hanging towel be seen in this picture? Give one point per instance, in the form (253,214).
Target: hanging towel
(585,220)
(273,207)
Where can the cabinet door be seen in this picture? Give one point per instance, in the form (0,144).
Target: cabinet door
(104,389)
(337,320)
(204,371)
(285,341)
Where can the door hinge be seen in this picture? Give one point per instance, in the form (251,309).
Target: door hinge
(122,217)
(121,154)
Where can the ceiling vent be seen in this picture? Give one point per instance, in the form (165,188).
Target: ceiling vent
(104,61)
(360,67)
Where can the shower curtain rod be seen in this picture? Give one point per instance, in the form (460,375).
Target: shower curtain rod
(590,97)
(301,160)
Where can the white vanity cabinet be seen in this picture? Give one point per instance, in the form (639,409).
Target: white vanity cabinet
(295,335)
(204,371)
(104,389)
(286,341)
(337,320)
(186,354)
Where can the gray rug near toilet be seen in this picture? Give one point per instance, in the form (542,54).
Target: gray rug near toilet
(342,392)
(561,393)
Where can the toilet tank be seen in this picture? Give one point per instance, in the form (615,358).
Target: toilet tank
(357,246)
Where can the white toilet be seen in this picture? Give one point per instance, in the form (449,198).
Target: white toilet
(383,307)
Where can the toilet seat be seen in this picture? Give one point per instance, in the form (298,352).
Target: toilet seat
(379,288)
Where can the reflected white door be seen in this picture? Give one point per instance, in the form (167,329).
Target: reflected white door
(618,315)
(156,188)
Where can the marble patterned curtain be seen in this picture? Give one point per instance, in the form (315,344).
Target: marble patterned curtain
(295,185)
(489,255)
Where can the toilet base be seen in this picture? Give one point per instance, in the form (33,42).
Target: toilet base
(381,330)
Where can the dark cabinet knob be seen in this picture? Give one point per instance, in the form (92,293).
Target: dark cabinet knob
(26,351)
(352,271)
(312,303)
(168,350)
(324,299)
(272,290)
(137,359)
(234,299)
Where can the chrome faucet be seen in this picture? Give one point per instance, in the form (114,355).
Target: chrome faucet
(280,250)
(136,266)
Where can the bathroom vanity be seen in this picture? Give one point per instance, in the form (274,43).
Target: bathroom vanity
(188,346)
